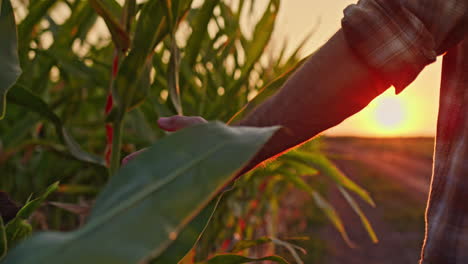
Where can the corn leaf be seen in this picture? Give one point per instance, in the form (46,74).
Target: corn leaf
(119,35)
(200,30)
(26,211)
(36,78)
(291,248)
(255,47)
(365,222)
(129,13)
(18,229)
(173,77)
(36,12)
(327,208)
(324,165)
(144,84)
(150,30)
(9,61)
(32,102)
(135,217)
(261,36)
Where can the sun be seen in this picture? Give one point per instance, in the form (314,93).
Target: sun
(390,113)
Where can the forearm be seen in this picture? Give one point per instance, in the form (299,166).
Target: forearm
(331,86)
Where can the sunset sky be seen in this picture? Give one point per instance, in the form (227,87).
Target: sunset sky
(412,113)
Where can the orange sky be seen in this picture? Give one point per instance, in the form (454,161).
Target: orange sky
(417,105)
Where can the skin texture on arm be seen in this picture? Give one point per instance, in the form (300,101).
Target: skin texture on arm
(331,86)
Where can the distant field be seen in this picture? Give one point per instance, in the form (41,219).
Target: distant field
(422,147)
(396,172)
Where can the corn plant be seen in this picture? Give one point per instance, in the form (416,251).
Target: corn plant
(87,95)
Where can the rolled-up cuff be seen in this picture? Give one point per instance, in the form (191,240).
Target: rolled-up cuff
(390,39)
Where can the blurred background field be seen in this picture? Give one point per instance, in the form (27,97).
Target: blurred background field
(396,172)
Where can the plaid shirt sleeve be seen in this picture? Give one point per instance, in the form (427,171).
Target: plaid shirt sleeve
(397,39)
(447,210)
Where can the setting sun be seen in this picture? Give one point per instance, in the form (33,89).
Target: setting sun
(390,115)
(390,112)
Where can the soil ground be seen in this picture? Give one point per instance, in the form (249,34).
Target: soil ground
(397,173)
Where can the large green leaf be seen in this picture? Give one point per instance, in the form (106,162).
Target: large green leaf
(9,61)
(144,207)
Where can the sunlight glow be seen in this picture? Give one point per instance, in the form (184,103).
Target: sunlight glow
(390,115)
(390,112)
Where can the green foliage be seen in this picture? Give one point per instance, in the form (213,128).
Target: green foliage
(110,11)
(19,228)
(319,161)
(158,58)
(195,163)
(28,100)
(9,64)
(362,216)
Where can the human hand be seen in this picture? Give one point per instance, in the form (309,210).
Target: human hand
(170,124)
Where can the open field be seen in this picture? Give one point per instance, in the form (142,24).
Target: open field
(397,174)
